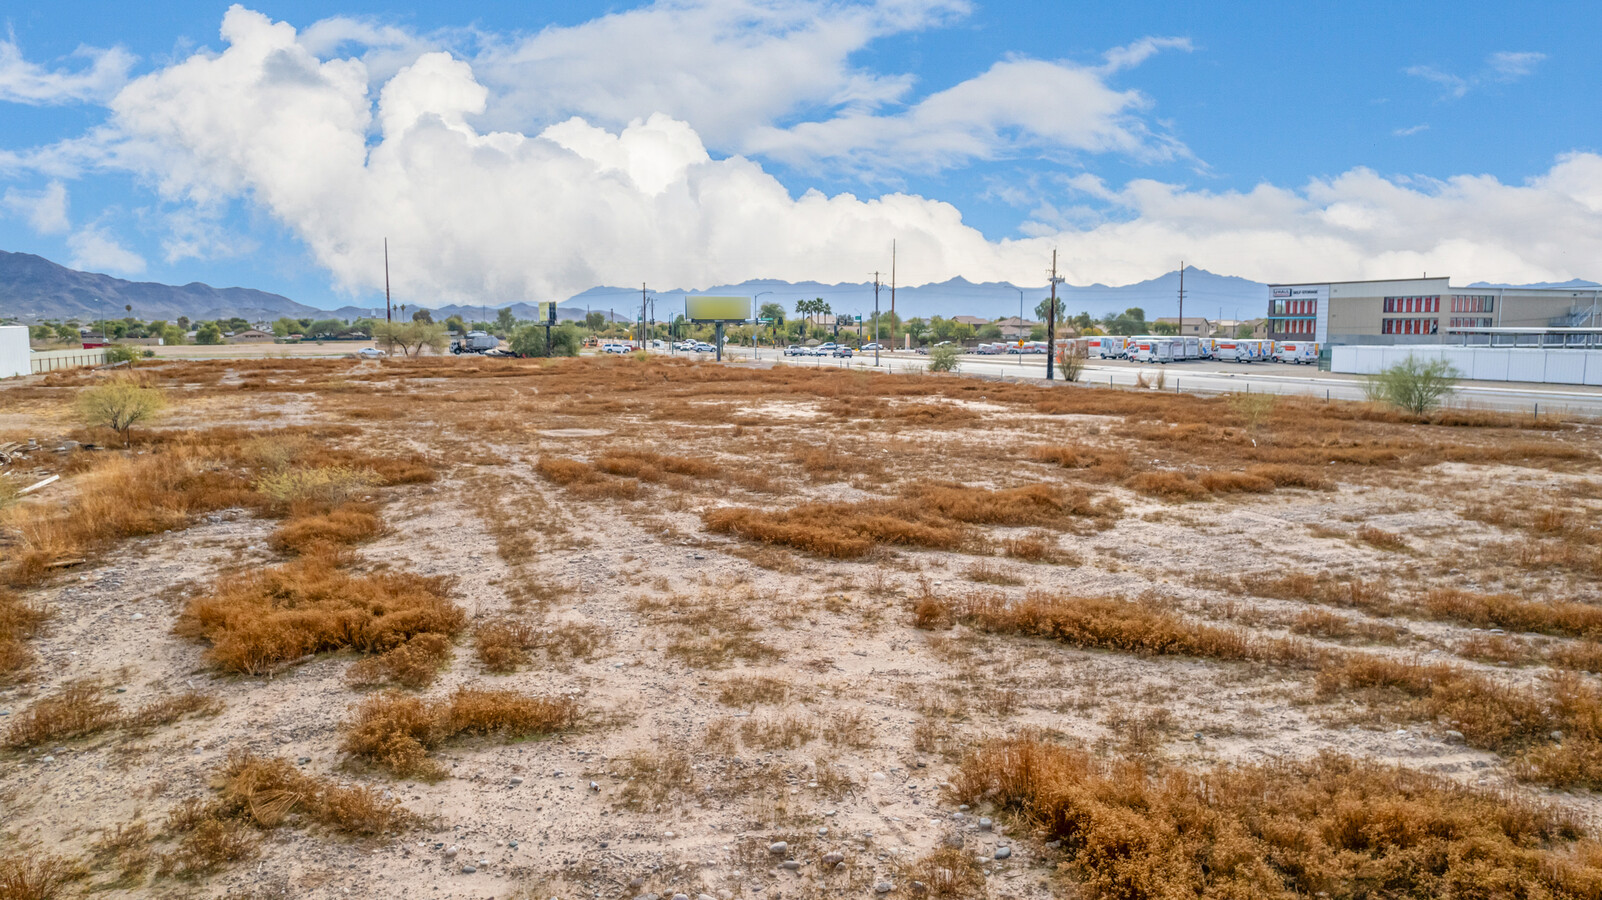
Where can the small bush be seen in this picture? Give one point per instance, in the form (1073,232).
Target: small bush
(120,404)
(945,359)
(1413,385)
(1236,483)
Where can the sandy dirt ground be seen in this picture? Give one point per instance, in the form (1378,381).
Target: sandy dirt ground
(853,756)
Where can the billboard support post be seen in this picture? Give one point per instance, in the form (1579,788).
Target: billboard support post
(717,312)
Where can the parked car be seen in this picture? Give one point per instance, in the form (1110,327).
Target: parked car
(370,353)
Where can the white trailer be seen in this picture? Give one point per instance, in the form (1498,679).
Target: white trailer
(1152,350)
(1298,352)
(1108,347)
(1236,351)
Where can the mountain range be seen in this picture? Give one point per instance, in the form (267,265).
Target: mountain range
(34,289)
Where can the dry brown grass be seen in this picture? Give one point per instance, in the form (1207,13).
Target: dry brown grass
(345,525)
(263,620)
(1557,617)
(1100,463)
(414,664)
(1168,485)
(396,732)
(946,874)
(20,622)
(1370,596)
(987,572)
(167,710)
(76,710)
(1380,539)
(30,875)
(585,481)
(752,690)
(504,645)
(1331,826)
(257,794)
(1335,627)
(1105,623)
(931,517)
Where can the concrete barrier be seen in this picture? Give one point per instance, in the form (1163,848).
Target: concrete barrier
(1478,363)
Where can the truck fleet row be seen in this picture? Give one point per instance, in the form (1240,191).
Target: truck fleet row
(1164,349)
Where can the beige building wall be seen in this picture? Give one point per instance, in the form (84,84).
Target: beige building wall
(1357,308)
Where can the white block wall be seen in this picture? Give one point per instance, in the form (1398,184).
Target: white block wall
(14,351)
(1479,363)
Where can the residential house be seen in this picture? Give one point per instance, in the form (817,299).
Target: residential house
(1195,326)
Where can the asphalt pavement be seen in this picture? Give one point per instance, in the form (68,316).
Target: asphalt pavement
(1205,376)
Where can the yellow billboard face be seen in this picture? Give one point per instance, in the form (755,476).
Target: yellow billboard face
(717,309)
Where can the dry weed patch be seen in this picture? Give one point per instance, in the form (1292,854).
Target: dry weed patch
(1330,826)
(1556,617)
(347,524)
(1108,624)
(413,664)
(949,873)
(77,710)
(751,690)
(20,622)
(26,875)
(933,517)
(167,710)
(396,732)
(257,794)
(263,620)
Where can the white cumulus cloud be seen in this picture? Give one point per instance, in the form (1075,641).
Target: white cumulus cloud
(96,250)
(25,82)
(344,158)
(45,210)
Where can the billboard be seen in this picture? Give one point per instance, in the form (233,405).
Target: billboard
(546,314)
(717,309)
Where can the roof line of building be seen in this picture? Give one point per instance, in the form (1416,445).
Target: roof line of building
(1355,281)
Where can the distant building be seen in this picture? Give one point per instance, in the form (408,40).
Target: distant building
(1194,326)
(251,336)
(975,321)
(1016,329)
(1421,310)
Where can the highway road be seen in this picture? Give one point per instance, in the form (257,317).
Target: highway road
(1214,377)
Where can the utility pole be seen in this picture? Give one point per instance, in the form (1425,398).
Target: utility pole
(1181,300)
(876,318)
(643,301)
(1051,320)
(388,316)
(892,294)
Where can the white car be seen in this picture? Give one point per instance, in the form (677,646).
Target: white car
(370,353)
(616,348)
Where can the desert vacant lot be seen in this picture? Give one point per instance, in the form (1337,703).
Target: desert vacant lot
(619,627)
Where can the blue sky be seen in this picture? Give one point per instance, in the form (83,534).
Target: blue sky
(523,151)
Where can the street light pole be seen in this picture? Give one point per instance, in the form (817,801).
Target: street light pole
(755,354)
